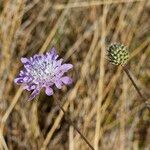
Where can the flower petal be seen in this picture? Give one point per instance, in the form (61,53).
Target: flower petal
(59,84)
(26,78)
(29,87)
(58,63)
(53,51)
(24,60)
(53,54)
(18,80)
(34,94)
(49,91)
(66,67)
(66,80)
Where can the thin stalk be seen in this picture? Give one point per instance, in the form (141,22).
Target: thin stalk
(71,123)
(136,87)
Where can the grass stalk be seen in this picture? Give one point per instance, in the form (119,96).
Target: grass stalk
(136,87)
(71,123)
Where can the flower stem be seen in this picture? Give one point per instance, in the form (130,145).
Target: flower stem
(136,87)
(71,123)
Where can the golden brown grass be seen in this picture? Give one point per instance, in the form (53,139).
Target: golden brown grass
(102,101)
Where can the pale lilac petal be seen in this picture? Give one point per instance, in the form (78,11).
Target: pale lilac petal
(25,79)
(59,84)
(24,60)
(36,56)
(53,53)
(66,80)
(29,87)
(32,87)
(34,94)
(66,67)
(58,63)
(49,91)
(18,80)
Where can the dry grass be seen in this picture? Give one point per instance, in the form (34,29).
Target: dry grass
(102,101)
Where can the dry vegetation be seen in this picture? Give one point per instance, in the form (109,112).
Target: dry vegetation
(102,101)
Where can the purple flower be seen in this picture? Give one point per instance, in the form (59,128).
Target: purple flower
(43,71)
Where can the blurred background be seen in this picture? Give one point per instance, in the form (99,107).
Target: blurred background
(101,101)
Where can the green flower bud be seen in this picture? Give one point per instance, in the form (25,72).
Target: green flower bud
(118,54)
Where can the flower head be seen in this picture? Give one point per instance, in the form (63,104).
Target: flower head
(118,54)
(43,71)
